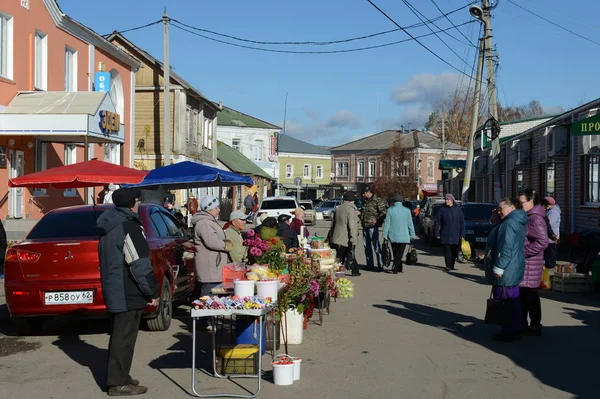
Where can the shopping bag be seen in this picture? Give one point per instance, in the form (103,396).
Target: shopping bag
(465,248)
(386,254)
(498,311)
(546,283)
(350,263)
(411,256)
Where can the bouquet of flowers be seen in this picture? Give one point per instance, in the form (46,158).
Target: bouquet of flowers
(265,252)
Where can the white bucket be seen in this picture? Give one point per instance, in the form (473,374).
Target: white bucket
(268,289)
(243,288)
(297,367)
(283,374)
(294,329)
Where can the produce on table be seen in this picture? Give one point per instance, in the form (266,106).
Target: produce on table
(345,288)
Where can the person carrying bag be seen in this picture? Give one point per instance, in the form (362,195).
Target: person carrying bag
(398,229)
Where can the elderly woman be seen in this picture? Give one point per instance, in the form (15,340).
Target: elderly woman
(297,223)
(535,245)
(505,263)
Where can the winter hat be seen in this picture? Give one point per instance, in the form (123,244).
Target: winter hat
(450,197)
(349,196)
(398,198)
(209,202)
(551,201)
(126,197)
(283,218)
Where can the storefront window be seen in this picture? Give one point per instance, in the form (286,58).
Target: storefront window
(548,179)
(592,177)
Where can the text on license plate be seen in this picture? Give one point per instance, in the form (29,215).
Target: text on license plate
(480,239)
(68,297)
(470,231)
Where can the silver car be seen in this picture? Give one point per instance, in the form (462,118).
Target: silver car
(327,208)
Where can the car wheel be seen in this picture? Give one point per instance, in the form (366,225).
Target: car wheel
(162,321)
(29,325)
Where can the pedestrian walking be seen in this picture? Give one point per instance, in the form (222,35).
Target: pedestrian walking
(344,231)
(505,263)
(553,216)
(128,285)
(249,203)
(398,229)
(372,216)
(535,245)
(450,229)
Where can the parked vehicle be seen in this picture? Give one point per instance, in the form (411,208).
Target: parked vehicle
(275,206)
(477,222)
(56,271)
(327,208)
(310,215)
(425,209)
(316,202)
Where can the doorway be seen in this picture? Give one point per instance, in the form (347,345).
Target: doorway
(16,201)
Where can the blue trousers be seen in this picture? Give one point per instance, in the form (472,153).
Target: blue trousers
(370,241)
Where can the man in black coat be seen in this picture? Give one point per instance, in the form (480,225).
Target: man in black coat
(128,285)
(450,229)
(287,234)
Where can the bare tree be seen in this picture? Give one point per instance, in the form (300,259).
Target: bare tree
(398,175)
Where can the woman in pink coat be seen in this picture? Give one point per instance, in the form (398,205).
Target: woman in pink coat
(535,243)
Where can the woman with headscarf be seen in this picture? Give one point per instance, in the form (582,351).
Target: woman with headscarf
(449,229)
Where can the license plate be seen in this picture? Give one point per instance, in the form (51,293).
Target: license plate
(480,239)
(470,231)
(68,297)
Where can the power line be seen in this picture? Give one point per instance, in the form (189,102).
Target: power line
(554,23)
(321,43)
(136,28)
(176,24)
(417,40)
(452,23)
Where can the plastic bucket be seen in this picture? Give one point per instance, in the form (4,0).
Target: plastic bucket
(243,288)
(268,289)
(297,367)
(246,330)
(283,374)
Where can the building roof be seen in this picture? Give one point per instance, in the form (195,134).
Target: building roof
(384,140)
(231,117)
(151,60)
(56,102)
(295,146)
(237,162)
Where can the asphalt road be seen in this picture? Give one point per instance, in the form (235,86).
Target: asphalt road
(413,335)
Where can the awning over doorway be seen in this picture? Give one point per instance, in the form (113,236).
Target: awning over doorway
(67,117)
(451,164)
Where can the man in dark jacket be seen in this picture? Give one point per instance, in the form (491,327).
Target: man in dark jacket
(249,203)
(128,285)
(372,217)
(287,234)
(449,229)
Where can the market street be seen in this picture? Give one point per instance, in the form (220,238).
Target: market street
(418,334)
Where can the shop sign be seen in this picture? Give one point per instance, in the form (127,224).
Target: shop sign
(586,127)
(102,81)
(110,122)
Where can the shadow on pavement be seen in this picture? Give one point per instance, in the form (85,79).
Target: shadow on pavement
(85,354)
(591,299)
(565,357)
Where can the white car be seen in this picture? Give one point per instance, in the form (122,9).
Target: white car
(275,206)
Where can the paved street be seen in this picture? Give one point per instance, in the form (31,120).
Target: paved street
(414,335)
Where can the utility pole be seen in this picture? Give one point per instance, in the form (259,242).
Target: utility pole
(167,92)
(474,120)
(444,152)
(491,75)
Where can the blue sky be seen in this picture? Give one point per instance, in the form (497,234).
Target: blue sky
(335,98)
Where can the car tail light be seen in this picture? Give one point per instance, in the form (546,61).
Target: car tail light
(20,255)
(293,212)
(20,292)
(258,214)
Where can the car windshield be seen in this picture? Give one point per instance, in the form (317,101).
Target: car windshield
(66,224)
(307,205)
(478,212)
(278,204)
(328,204)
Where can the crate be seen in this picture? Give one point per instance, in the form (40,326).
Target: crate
(238,359)
(570,282)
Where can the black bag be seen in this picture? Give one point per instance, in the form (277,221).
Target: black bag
(411,256)
(498,311)
(386,254)
(350,263)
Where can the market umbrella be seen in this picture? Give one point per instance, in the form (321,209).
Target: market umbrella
(189,174)
(83,174)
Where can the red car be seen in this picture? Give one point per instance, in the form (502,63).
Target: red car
(56,271)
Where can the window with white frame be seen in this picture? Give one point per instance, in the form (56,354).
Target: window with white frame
(341,169)
(41,163)
(592,171)
(405,171)
(430,171)
(41,61)
(209,134)
(548,179)
(205,133)
(371,168)
(112,153)
(319,172)
(360,169)
(236,144)
(191,118)
(70,69)
(306,171)
(289,170)
(70,158)
(6,46)
(258,150)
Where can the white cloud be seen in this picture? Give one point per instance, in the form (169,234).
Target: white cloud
(327,131)
(344,119)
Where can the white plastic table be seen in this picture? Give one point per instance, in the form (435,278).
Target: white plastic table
(258,313)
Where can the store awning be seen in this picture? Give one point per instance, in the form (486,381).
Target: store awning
(63,117)
(450,164)
(237,162)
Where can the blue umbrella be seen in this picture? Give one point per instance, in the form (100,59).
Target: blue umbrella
(188,174)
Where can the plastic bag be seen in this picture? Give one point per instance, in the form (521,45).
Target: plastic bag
(546,283)
(411,256)
(386,254)
(465,248)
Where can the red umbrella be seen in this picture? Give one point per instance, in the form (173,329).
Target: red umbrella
(83,174)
